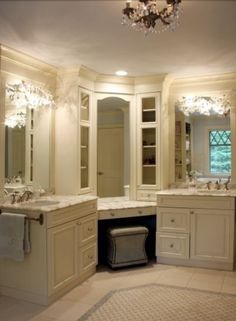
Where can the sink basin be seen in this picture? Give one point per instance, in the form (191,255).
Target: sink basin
(39,203)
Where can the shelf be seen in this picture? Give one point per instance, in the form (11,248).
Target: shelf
(149,146)
(84,146)
(149,165)
(83,107)
(84,167)
(148,110)
(178,164)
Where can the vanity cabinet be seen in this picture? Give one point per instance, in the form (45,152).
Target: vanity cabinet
(148,145)
(63,254)
(196,231)
(71,251)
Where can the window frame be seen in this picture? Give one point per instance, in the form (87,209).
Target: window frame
(207,161)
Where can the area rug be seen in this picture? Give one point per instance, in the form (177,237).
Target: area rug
(155,302)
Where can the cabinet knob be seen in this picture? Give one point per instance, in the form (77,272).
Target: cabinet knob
(171,245)
(90,229)
(191,212)
(100,173)
(140,212)
(172,220)
(112,214)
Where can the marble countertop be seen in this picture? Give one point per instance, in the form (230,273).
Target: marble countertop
(115,203)
(48,203)
(197,192)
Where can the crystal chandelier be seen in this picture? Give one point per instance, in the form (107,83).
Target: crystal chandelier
(28,95)
(146,14)
(204,105)
(16,120)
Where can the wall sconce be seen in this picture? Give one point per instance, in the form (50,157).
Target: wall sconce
(16,120)
(27,95)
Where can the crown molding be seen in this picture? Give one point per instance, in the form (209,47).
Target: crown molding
(204,80)
(13,57)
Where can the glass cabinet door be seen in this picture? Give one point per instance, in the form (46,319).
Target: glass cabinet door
(149,156)
(84,158)
(84,106)
(85,145)
(148,109)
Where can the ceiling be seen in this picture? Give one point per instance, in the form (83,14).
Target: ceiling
(65,33)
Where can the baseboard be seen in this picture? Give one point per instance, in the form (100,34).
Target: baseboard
(196,263)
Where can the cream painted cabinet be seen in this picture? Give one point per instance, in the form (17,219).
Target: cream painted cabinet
(72,250)
(62,256)
(196,231)
(148,127)
(212,234)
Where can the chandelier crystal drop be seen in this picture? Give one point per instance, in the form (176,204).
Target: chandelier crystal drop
(148,17)
(16,120)
(204,105)
(27,95)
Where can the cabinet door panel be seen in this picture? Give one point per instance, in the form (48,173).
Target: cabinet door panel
(172,245)
(62,256)
(87,229)
(87,257)
(212,235)
(173,219)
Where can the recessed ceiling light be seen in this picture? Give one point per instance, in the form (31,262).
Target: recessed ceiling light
(121,73)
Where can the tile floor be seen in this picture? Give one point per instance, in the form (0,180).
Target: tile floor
(80,299)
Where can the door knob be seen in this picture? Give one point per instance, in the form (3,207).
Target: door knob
(100,173)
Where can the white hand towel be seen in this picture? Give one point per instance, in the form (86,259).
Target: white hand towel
(12,236)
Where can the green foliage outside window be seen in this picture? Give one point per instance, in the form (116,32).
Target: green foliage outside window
(220,151)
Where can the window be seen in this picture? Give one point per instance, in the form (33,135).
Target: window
(220,151)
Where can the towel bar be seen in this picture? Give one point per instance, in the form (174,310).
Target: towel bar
(37,219)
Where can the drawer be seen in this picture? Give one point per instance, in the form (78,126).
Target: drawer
(87,229)
(70,213)
(172,245)
(196,201)
(87,257)
(173,220)
(127,212)
(146,195)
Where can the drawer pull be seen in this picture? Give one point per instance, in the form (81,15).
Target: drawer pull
(112,214)
(172,220)
(90,257)
(90,229)
(140,212)
(171,245)
(191,212)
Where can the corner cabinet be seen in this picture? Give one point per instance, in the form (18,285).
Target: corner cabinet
(148,127)
(85,141)
(196,231)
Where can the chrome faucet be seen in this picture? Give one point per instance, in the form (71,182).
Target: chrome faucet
(17,197)
(27,195)
(226,184)
(208,184)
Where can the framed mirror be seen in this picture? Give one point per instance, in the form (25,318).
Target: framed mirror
(202,146)
(27,146)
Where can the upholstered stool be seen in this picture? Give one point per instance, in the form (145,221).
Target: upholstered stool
(126,246)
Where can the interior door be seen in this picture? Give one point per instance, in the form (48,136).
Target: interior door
(110,162)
